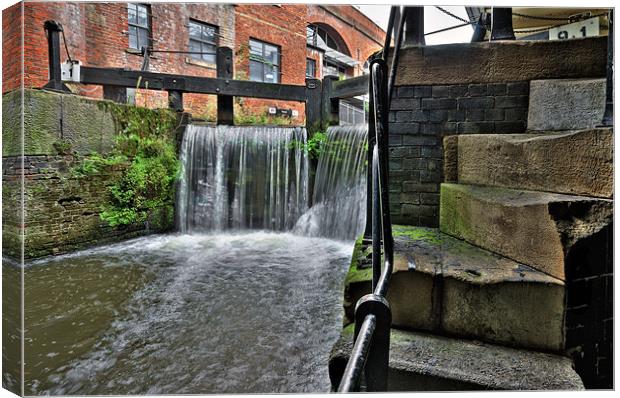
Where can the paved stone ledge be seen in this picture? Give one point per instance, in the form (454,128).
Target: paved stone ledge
(423,362)
(445,285)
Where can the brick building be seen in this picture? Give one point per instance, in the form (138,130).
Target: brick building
(273,43)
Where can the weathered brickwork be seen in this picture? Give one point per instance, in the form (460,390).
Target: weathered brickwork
(61,210)
(419,119)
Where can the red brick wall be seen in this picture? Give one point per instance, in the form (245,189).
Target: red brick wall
(11,47)
(284,26)
(97,36)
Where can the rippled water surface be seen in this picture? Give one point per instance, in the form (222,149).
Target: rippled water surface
(226,313)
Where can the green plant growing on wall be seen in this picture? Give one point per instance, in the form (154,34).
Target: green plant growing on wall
(145,145)
(314,146)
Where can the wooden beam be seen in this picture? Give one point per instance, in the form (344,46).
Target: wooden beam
(191,84)
(313,105)
(347,88)
(225,108)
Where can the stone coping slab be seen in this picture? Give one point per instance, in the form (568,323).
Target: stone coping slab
(534,228)
(578,162)
(421,361)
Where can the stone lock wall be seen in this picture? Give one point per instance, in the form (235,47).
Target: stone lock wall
(62,208)
(468,88)
(421,116)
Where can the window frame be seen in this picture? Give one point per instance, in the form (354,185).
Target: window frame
(262,60)
(314,69)
(139,27)
(212,58)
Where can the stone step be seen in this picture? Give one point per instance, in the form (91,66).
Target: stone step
(566,104)
(538,229)
(425,362)
(576,162)
(445,285)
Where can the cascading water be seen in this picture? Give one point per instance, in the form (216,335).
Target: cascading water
(242,178)
(339,198)
(257,178)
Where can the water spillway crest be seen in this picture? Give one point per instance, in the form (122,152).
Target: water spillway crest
(258,178)
(242,178)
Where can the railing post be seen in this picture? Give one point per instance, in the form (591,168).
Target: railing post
(377,363)
(53,30)
(313,105)
(414,26)
(501,24)
(368,231)
(608,117)
(225,110)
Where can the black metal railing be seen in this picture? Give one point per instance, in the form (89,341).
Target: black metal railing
(370,353)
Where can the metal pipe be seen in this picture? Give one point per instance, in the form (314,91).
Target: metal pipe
(376,219)
(353,372)
(397,43)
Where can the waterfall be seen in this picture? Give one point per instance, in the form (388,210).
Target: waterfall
(339,198)
(242,178)
(257,178)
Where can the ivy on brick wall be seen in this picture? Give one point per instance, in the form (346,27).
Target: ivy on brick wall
(145,149)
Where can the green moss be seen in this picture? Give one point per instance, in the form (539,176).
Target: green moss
(429,235)
(452,220)
(348,330)
(355,274)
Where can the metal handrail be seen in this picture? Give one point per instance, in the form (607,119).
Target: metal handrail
(370,353)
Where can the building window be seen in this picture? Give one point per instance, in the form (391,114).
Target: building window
(203,39)
(314,32)
(310,67)
(139,26)
(264,62)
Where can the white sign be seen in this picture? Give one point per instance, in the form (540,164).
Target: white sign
(586,28)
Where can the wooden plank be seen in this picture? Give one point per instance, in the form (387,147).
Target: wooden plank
(191,84)
(348,88)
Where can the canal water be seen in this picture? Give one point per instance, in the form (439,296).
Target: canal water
(218,309)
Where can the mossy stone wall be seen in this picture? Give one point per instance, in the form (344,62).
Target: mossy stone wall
(61,207)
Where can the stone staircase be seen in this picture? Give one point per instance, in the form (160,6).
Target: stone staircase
(501,295)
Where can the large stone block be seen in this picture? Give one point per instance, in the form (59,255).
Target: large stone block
(577,162)
(423,362)
(502,61)
(533,228)
(565,104)
(446,285)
